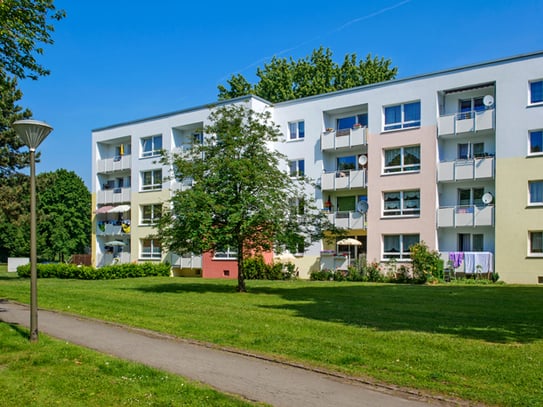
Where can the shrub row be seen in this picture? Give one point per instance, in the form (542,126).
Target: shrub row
(255,268)
(73,271)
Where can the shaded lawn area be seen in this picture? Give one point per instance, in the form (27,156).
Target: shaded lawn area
(482,343)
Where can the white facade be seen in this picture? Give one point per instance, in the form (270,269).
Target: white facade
(415,159)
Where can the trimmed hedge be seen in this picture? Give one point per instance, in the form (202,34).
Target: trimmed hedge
(61,270)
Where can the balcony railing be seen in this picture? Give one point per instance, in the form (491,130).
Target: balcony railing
(465,215)
(113,195)
(117,163)
(458,170)
(347,138)
(348,219)
(186,261)
(466,122)
(112,229)
(343,179)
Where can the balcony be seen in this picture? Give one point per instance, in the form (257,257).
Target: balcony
(465,215)
(117,163)
(343,179)
(113,195)
(460,170)
(112,229)
(466,122)
(189,261)
(348,220)
(343,139)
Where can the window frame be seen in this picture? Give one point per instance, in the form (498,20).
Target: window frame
(539,251)
(403,254)
(229,254)
(299,130)
(152,254)
(154,185)
(535,202)
(154,151)
(402,124)
(401,168)
(540,142)
(531,100)
(402,211)
(299,170)
(153,220)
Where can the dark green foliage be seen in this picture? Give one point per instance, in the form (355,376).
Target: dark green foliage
(255,268)
(62,270)
(426,264)
(360,270)
(283,79)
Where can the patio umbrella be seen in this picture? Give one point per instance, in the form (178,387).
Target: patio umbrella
(115,243)
(120,209)
(104,209)
(349,242)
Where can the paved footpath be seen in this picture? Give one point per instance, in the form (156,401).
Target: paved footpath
(250,376)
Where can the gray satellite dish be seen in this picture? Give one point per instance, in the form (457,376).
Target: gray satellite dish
(488,100)
(363,160)
(487,198)
(362,206)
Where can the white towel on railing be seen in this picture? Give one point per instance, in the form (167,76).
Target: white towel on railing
(474,259)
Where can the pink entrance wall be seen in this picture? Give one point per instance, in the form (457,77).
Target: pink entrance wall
(224,268)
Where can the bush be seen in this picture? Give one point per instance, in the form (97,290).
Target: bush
(427,265)
(255,268)
(62,270)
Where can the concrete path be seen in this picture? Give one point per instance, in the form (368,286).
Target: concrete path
(249,376)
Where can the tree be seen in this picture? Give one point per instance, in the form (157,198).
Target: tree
(283,79)
(14,217)
(24,25)
(240,197)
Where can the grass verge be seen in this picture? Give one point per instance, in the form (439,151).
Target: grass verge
(480,343)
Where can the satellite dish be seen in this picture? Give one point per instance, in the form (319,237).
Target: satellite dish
(362,206)
(488,101)
(363,159)
(487,198)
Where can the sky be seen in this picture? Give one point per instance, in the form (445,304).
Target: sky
(115,61)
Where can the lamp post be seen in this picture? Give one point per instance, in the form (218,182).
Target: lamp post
(32,133)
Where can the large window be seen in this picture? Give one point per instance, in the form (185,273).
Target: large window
(470,150)
(150,249)
(535,243)
(536,91)
(225,253)
(401,203)
(471,196)
(397,246)
(402,116)
(468,242)
(468,106)
(296,168)
(296,130)
(151,180)
(535,190)
(150,214)
(151,146)
(349,122)
(403,159)
(536,142)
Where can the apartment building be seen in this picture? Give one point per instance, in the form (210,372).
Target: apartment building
(452,158)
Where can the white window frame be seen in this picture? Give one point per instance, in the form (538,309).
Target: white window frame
(154,218)
(228,254)
(530,201)
(530,152)
(296,130)
(402,211)
(400,169)
(403,123)
(154,252)
(155,185)
(154,151)
(539,251)
(537,102)
(298,173)
(404,254)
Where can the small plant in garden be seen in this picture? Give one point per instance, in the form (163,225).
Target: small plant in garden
(427,265)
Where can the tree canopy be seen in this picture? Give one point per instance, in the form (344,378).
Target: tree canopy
(283,79)
(240,198)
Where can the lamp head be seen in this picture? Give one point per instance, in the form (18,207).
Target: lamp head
(32,132)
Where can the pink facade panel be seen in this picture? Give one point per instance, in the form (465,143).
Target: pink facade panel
(220,268)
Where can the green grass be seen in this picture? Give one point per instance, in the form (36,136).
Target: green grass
(481,343)
(52,373)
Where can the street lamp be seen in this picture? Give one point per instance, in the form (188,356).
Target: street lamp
(32,133)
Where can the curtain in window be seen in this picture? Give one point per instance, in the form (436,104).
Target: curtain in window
(464,244)
(408,241)
(392,157)
(391,244)
(411,155)
(536,192)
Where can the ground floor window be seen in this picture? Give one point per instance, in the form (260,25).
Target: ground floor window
(468,242)
(536,243)
(225,253)
(150,249)
(397,246)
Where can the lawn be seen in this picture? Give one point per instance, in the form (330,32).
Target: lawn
(480,343)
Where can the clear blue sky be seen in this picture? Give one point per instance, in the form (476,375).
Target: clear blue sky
(118,60)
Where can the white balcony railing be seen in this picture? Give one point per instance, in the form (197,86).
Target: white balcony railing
(343,179)
(335,139)
(113,195)
(478,168)
(466,122)
(465,215)
(348,219)
(186,261)
(108,259)
(118,163)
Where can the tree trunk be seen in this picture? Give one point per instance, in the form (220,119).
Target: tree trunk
(241,279)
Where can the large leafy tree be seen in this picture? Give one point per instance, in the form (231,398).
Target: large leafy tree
(14,217)
(240,198)
(283,79)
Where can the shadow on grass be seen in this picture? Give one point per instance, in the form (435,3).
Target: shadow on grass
(497,314)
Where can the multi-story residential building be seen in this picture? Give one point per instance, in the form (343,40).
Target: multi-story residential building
(452,158)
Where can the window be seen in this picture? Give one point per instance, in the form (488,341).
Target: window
(349,122)
(536,142)
(470,150)
(150,249)
(472,196)
(151,180)
(468,106)
(402,116)
(197,138)
(535,190)
(346,163)
(297,168)
(536,243)
(122,149)
(296,130)
(151,146)
(470,242)
(536,92)
(397,246)
(150,214)
(403,159)
(401,203)
(225,253)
